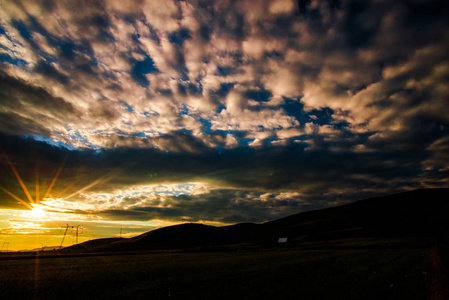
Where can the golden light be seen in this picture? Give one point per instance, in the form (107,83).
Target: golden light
(38,213)
(36,210)
(40,218)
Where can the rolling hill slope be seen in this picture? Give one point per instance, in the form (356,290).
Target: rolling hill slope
(417,213)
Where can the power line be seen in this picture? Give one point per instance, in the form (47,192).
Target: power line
(7,246)
(78,227)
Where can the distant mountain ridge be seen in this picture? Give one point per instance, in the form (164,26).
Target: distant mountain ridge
(416,213)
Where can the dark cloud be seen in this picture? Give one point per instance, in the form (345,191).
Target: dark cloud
(50,72)
(226,206)
(27,109)
(220,205)
(13,123)
(320,175)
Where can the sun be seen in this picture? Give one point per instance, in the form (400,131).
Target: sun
(35,211)
(38,213)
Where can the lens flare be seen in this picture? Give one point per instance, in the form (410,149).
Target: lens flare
(36,211)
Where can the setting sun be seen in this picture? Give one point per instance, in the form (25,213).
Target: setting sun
(38,213)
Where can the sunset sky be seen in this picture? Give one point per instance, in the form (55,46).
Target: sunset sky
(132,115)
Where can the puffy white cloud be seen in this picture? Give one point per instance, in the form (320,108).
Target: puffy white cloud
(281,7)
(255,143)
(231,142)
(289,133)
(249,120)
(162,15)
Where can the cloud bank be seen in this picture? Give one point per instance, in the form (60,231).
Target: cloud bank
(325,100)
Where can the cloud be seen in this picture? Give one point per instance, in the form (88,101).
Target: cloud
(220,206)
(330,97)
(32,108)
(282,7)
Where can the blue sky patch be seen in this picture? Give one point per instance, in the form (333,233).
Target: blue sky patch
(12,60)
(54,142)
(261,95)
(127,106)
(23,30)
(179,36)
(141,68)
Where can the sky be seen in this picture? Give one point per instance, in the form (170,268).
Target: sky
(125,116)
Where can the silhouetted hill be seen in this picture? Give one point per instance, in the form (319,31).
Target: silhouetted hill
(91,245)
(183,236)
(415,213)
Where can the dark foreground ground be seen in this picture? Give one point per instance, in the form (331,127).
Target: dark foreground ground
(360,270)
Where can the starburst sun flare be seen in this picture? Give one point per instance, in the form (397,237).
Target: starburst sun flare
(38,213)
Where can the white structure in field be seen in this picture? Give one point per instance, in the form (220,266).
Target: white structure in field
(282,240)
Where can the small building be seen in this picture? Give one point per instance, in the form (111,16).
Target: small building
(282,240)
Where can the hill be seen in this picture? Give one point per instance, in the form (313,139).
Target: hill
(419,213)
(93,244)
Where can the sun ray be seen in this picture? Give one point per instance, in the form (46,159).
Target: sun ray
(50,187)
(17,198)
(102,179)
(37,184)
(85,188)
(71,184)
(22,184)
(59,195)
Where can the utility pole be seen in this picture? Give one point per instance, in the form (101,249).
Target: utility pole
(67,228)
(77,227)
(7,246)
(121,232)
(65,233)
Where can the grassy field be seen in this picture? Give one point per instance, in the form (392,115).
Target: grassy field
(276,274)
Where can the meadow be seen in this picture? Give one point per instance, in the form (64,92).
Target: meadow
(283,273)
